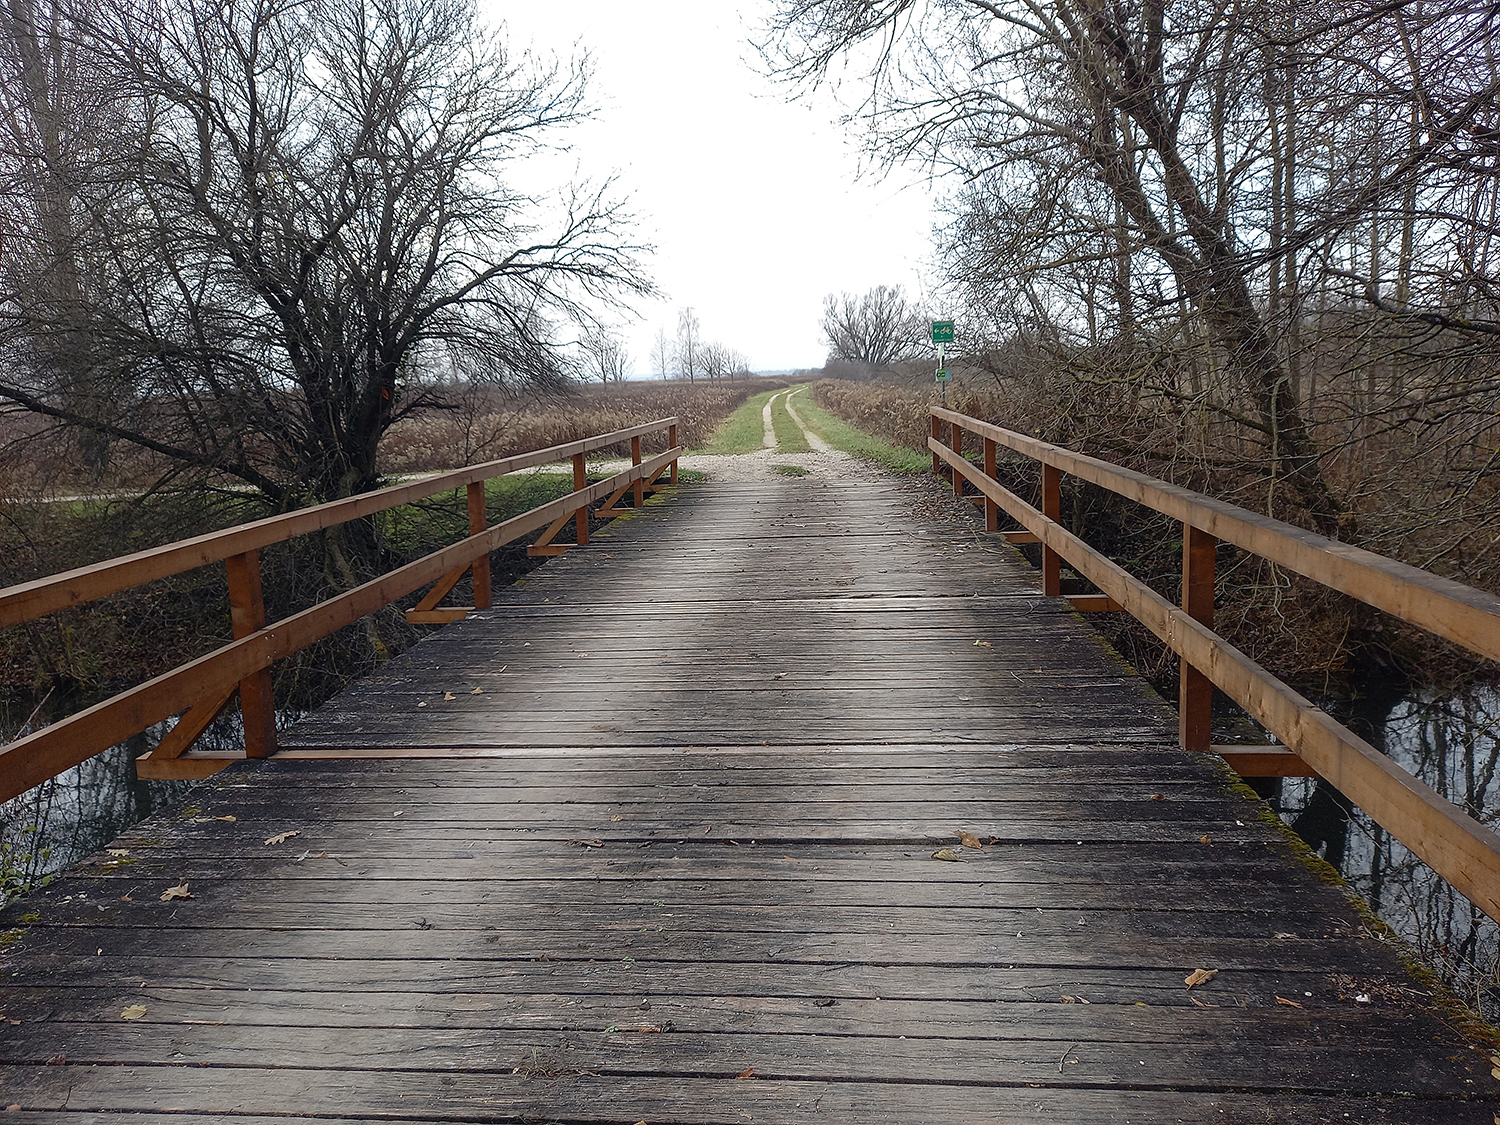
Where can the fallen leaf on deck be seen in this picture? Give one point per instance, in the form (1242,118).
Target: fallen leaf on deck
(750,1073)
(1200,976)
(968,839)
(1288,1003)
(588,843)
(1205,839)
(448,696)
(134,1012)
(57,1060)
(983,644)
(1158,796)
(946,853)
(616,818)
(227,819)
(477,691)
(179,891)
(647,1028)
(283,837)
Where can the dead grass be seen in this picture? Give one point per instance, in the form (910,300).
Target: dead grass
(486,423)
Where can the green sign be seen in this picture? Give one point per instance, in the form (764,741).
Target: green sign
(942,332)
(942,375)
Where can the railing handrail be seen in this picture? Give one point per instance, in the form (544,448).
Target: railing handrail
(1449,609)
(27,601)
(1458,847)
(203,687)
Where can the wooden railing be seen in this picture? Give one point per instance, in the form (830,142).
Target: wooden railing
(201,689)
(1452,843)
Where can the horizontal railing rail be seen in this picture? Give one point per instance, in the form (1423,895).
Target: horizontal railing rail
(200,689)
(1455,845)
(27,601)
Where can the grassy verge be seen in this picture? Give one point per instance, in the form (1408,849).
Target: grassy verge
(743,431)
(789,436)
(839,434)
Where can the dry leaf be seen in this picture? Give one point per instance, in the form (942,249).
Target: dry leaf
(1158,796)
(983,644)
(968,839)
(1200,976)
(179,891)
(616,818)
(58,1060)
(750,1073)
(946,853)
(1205,839)
(648,1027)
(283,837)
(1288,1003)
(227,819)
(448,696)
(477,691)
(134,1012)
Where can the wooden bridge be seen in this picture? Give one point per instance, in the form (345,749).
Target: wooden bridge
(778,802)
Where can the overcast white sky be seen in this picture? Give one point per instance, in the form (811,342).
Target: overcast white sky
(752,203)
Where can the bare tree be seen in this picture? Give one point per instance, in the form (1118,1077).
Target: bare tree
(661,353)
(292,217)
(877,330)
(606,355)
(689,361)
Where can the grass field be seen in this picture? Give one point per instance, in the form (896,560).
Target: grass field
(742,431)
(789,436)
(839,434)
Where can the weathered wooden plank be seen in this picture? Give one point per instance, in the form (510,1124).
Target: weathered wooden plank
(563,1093)
(1305,1063)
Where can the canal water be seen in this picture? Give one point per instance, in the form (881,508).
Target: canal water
(1451,741)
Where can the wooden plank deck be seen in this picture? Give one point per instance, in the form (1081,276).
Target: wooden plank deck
(653,841)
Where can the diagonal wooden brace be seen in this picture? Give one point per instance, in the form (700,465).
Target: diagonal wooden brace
(190,727)
(608,507)
(544,546)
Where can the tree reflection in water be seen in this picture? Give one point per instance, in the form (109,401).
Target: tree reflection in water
(68,818)
(1450,742)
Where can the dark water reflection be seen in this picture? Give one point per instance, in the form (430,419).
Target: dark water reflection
(68,818)
(1452,743)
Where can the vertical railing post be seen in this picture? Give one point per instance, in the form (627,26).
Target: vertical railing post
(672,444)
(1195,691)
(247,614)
(580,482)
(479,520)
(991,470)
(635,459)
(1052,509)
(937,462)
(956,441)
